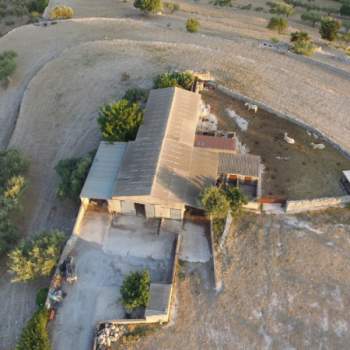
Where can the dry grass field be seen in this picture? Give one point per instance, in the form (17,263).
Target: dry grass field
(286,286)
(67,71)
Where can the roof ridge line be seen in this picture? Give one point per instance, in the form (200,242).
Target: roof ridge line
(165,136)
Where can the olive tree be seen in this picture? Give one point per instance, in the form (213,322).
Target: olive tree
(36,257)
(329,28)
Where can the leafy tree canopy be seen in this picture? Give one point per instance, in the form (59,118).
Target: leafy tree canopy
(214,201)
(36,257)
(235,198)
(12,184)
(329,28)
(135,290)
(7,64)
(72,173)
(35,336)
(149,6)
(120,121)
(184,80)
(278,23)
(192,25)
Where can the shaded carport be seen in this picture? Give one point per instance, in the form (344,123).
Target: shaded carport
(103,172)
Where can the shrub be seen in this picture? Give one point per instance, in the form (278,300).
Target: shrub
(120,121)
(36,257)
(149,6)
(184,80)
(345,9)
(41,297)
(172,7)
(278,23)
(329,28)
(135,290)
(61,12)
(72,173)
(214,202)
(7,64)
(34,335)
(192,25)
(312,17)
(281,8)
(136,95)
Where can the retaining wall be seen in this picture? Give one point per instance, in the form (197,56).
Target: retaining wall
(316,204)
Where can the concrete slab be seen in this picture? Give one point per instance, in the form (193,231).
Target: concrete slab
(104,253)
(194,246)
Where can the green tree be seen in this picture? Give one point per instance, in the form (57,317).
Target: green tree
(120,121)
(302,43)
(329,28)
(311,16)
(34,335)
(36,257)
(7,64)
(135,290)
(278,23)
(235,198)
(184,80)
(149,6)
(215,202)
(73,173)
(192,25)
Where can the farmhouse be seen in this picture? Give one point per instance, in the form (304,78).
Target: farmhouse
(163,171)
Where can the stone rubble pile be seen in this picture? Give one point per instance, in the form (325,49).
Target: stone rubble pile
(109,334)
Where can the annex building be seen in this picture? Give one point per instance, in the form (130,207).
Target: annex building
(163,171)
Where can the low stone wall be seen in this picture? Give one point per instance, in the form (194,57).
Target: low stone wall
(316,204)
(216,271)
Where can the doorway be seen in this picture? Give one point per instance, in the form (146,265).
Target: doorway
(140,209)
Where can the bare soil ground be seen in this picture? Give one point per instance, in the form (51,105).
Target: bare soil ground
(291,171)
(286,286)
